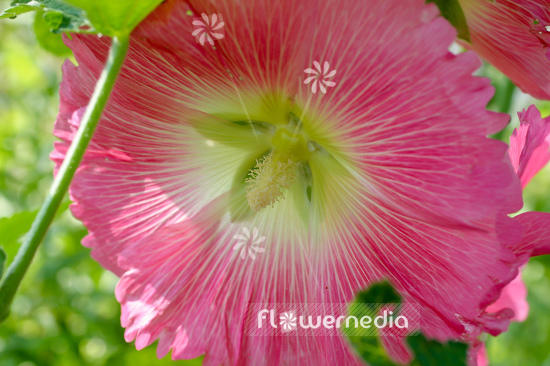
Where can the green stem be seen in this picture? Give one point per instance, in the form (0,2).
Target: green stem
(16,271)
(504,106)
(508,96)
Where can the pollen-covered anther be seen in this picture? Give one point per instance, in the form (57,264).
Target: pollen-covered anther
(268,180)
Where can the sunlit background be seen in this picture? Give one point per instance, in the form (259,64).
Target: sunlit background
(66,313)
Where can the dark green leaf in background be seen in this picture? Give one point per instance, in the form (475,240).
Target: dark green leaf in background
(2,261)
(432,353)
(370,348)
(426,352)
(379,293)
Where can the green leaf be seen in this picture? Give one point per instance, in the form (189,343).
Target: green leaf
(51,42)
(378,293)
(452,11)
(60,17)
(14,227)
(14,11)
(2,261)
(115,18)
(53,19)
(371,350)
(433,353)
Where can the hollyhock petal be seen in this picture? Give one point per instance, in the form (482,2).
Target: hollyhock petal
(514,297)
(529,152)
(481,358)
(400,181)
(126,195)
(511,35)
(536,234)
(530,144)
(204,264)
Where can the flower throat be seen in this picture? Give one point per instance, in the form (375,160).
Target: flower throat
(277,171)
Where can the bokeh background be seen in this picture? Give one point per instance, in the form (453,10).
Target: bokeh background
(66,313)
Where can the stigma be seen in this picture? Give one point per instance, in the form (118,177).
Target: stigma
(267,182)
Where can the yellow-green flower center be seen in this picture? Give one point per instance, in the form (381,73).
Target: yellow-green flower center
(277,171)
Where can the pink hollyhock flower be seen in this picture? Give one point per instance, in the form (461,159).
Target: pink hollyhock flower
(513,35)
(530,144)
(529,152)
(388,174)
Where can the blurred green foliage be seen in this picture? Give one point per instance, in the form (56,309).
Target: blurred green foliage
(66,313)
